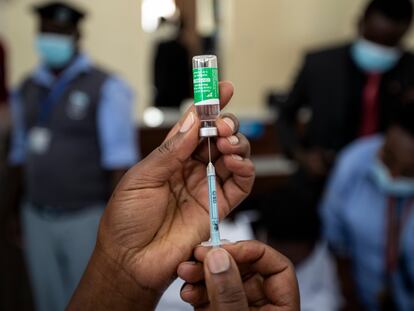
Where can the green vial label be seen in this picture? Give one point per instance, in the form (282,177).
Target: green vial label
(206,84)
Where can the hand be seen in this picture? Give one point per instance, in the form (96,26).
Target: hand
(159,211)
(316,162)
(243,276)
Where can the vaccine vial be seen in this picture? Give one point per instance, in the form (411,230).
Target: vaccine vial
(206,93)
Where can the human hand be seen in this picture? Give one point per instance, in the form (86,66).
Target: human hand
(159,211)
(243,276)
(317,162)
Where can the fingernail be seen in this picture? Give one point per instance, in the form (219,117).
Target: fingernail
(192,263)
(218,261)
(188,123)
(187,288)
(233,140)
(230,123)
(237,157)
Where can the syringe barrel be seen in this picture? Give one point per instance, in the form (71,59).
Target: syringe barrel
(214,215)
(206,93)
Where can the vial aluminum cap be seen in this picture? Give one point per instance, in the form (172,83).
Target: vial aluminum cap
(208,132)
(205,61)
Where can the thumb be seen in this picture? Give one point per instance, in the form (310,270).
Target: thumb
(160,164)
(224,285)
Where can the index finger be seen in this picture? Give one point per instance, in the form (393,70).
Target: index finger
(263,259)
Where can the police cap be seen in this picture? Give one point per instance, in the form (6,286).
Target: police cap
(60,12)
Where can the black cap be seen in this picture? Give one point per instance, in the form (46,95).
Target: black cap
(60,12)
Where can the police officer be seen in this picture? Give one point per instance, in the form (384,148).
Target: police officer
(74,136)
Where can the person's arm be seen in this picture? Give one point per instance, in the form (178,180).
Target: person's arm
(14,187)
(117,129)
(108,286)
(287,123)
(316,161)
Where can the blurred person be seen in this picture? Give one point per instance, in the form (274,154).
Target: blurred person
(4,108)
(74,137)
(368,217)
(350,88)
(14,288)
(159,214)
(172,67)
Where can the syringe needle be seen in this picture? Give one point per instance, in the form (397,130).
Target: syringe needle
(209,150)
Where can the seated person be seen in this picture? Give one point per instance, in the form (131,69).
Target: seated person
(368,217)
(159,213)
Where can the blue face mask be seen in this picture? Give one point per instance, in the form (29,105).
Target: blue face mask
(374,58)
(55,50)
(400,186)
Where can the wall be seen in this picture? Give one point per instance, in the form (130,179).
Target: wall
(262,41)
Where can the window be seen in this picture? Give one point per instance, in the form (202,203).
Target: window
(153,10)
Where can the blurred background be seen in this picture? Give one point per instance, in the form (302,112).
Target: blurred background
(299,110)
(264,42)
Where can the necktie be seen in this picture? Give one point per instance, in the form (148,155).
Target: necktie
(370,105)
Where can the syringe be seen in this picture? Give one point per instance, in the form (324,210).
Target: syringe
(212,196)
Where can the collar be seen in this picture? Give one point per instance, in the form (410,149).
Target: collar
(44,76)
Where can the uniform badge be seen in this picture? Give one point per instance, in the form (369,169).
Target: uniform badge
(39,140)
(78,105)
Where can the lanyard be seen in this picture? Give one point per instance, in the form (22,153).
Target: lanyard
(52,98)
(397,216)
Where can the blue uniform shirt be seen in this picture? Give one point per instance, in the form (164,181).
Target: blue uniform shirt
(354,213)
(116,126)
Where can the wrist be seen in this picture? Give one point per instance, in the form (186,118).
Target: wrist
(106,285)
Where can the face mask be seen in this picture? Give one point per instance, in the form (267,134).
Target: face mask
(400,186)
(374,58)
(55,50)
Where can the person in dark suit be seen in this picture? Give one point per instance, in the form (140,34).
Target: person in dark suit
(350,89)
(172,71)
